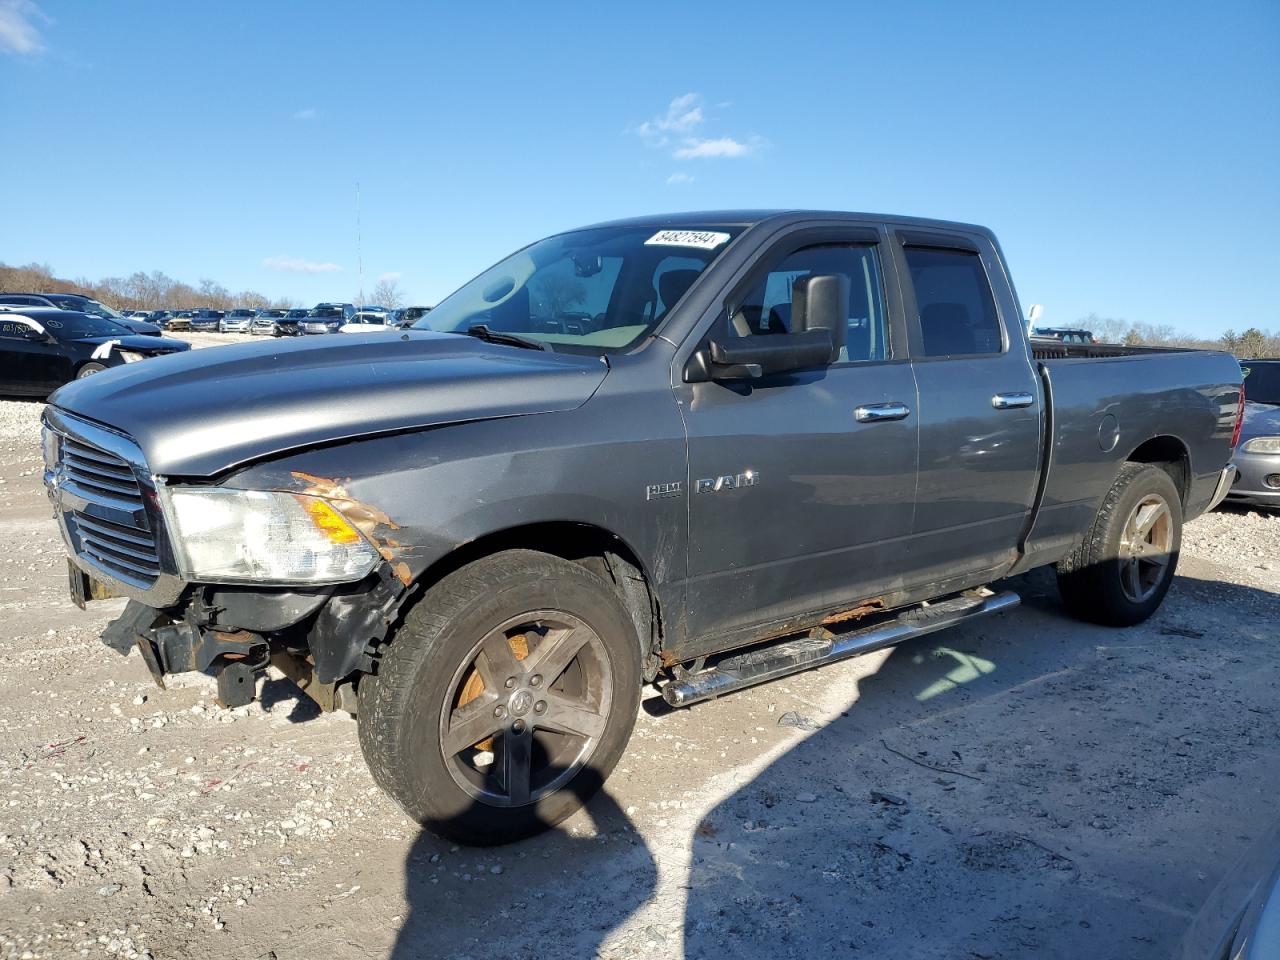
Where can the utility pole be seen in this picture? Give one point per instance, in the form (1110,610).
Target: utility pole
(359,253)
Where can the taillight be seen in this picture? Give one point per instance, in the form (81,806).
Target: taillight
(1235,432)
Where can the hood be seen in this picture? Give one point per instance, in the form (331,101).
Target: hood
(1260,420)
(140,344)
(141,326)
(205,411)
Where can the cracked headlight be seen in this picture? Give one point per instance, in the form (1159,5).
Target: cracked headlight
(257,536)
(1262,445)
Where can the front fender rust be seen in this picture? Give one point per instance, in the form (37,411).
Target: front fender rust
(370,520)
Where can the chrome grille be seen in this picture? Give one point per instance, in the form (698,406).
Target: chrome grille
(125,550)
(99,474)
(106,513)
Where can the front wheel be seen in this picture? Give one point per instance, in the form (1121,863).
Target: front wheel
(504,700)
(88,370)
(1121,570)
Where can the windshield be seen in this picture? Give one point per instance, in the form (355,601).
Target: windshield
(325,312)
(1262,381)
(76,326)
(296,314)
(590,291)
(84,304)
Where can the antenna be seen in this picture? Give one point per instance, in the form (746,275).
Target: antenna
(359,254)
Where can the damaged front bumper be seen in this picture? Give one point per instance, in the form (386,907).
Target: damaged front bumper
(321,640)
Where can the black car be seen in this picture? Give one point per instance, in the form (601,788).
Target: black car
(42,348)
(287,326)
(207,320)
(82,304)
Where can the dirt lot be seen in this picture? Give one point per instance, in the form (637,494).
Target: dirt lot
(1027,786)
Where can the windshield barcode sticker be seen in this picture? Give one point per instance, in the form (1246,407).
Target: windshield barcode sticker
(702,239)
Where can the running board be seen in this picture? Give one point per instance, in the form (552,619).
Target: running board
(822,647)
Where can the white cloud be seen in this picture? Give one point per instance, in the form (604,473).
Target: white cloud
(681,130)
(299,265)
(718,147)
(310,113)
(683,115)
(680,177)
(18,32)
(391,276)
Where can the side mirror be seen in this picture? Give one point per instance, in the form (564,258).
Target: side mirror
(749,358)
(36,336)
(821,302)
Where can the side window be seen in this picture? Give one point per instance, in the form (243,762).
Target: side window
(767,308)
(957,312)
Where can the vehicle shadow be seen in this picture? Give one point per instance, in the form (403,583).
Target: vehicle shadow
(1023,786)
(555,895)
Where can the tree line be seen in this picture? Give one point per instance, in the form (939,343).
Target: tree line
(1253,342)
(158,291)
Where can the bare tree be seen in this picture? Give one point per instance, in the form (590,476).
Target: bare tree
(388,294)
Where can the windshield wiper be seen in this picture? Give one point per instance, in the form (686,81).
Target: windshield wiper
(481,331)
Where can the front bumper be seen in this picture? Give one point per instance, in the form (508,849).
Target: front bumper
(1251,482)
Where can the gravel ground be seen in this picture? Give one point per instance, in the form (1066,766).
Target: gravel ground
(1025,786)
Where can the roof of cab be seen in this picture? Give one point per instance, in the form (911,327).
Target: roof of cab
(749,218)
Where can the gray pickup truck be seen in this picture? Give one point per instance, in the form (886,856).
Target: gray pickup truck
(702,451)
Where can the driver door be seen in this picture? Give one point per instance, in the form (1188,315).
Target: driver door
(28,366)
(801,502)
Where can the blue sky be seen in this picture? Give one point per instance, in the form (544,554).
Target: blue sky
(1128,155)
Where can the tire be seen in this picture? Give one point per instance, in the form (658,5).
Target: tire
(445,760)
(1118,574)
(88,370)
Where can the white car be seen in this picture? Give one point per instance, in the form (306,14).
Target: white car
(367,322)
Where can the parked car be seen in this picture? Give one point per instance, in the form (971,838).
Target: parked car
(74,301)
(408,316)
(1241,918)
(1064,335)
(264,324)
(1257,457)
(365,322)
(237,321)
(41,348)
(288,325)
(751,444)
(160,318)
(180,320)
(327,317)
(207,320)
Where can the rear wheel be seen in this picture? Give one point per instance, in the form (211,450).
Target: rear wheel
(88,370)
(505,700)
(1121,570)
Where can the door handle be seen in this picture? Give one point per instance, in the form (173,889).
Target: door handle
(875,412)
(1011,401)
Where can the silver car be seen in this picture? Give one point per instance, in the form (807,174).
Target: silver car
(237,321)
(1257,456)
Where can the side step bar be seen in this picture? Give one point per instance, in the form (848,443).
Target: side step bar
(822,647)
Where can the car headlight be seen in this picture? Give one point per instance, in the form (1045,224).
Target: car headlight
(1262,445)
(225,535)
(128,356)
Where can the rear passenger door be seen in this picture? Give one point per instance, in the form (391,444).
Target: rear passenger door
(979,406)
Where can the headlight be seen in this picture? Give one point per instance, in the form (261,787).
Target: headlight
(1262,445)
(128,356)
(264,537)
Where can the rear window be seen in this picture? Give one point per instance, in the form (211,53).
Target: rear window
(953,297)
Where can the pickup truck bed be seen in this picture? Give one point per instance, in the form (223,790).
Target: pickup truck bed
(700,450)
